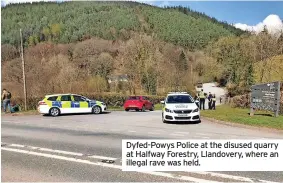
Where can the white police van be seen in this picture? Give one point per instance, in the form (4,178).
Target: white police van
(180,106)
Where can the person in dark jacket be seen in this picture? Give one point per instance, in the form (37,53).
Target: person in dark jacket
(202,97)
(213,104)
(209,100)
(6,97)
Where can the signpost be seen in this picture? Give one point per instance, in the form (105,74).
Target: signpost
(266,97)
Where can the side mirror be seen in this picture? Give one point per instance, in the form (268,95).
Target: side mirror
(162,102)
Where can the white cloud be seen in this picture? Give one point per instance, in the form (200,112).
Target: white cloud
(164,4)
(273,24)
(150,2)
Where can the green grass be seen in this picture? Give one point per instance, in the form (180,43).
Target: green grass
(241,116)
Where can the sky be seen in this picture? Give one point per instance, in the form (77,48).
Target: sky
(246,15)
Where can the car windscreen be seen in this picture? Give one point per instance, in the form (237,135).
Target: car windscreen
(174,99)
(133,98)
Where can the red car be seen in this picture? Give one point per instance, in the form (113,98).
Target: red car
(138,103)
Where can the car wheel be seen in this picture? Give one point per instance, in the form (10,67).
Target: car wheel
(137,110)
(143,109)
(163,120)
(96,110)
(152,108)
(54,112)
(127,110)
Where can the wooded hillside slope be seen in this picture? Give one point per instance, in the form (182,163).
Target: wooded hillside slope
(75,21)
(78,46)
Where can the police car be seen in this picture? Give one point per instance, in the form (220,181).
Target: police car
(180,106)
(57,104)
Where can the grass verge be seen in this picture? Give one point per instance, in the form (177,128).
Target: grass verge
(241,116)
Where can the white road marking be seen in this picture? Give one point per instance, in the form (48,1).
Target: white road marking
(132,131)
(239,178)
(16,145)
(168,175)
(186,133)
(202,134)
(102,157)
(186,178)
(173,134)
(60,152)
(160,130)
(48,150)
(154,133)
(200,137)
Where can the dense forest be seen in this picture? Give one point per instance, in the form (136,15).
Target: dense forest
(78,46)
(75,21)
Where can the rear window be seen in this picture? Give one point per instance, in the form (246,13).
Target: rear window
(66,98)
(54,98)
(133,98)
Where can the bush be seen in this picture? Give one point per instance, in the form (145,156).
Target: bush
(235,90)
(112,100)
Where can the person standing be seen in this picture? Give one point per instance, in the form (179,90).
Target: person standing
(197,101)
(6,97)
(209,100)
(213,102)
(202,99)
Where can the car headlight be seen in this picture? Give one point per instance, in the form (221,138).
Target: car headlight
(168,110)
(196,110)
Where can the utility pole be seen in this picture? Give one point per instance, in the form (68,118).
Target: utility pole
(24,74)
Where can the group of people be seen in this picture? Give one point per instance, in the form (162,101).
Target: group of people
(211,100)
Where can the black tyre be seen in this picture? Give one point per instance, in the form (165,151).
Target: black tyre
(152,108)
(163,119)
(96,110)
(127,110)
(54,112)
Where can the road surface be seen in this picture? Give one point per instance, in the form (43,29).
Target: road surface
(72,147)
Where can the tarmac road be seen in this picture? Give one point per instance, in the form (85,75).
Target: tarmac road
(72,147)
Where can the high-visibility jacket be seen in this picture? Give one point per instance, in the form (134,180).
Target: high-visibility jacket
(214,99)
(201,95)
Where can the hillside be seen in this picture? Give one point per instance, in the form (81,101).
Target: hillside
(78,46)
(76,21)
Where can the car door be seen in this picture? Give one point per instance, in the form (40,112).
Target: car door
(146,102)
(80,104)
(66,104)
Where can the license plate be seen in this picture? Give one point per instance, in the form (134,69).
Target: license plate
(182,115)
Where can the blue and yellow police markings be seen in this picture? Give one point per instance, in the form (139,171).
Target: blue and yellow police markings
(56,104)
